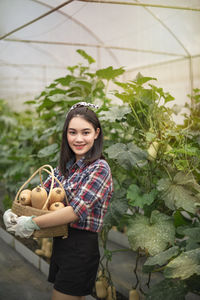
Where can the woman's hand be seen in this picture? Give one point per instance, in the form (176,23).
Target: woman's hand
(9,219)
(24,227)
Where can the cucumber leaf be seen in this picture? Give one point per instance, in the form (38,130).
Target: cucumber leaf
(140,79)
(89,58)
(109,73)
(136,198)
(60,97)
(184,266)
(181,192)
(193,284)
(192,232)
(46,151)
(154,234)
(192,236)
(160,259)
(168,289)
(117,208)
(128,155)
(65,81)
(114,113)
(8,121)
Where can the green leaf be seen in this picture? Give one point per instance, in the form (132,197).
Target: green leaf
(52,85)
(65,81)
(27,134)
(59,98)
(8,121)
(181,164)
(150,136)
(49,131)
(55,91)
(108,254)
(188,150)
(167,289)
(128,155)
(49,150)
(154,234)
(7,202)
(184,266)
(72,68)
(160,259)
(193,284)
(30,102)
(137,198)
(168,97)
(179,192)
(140,80)
(188,180)
(124,85)
(109,73)
(114,113)
(46,104)
(159,91)
(191,236)
(179,219)
(117,208)
(82,84)
(125,97)
(86,56)
(192,232)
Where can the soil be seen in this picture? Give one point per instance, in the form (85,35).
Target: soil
(34,244)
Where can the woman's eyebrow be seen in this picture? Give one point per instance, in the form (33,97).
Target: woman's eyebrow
(81,129)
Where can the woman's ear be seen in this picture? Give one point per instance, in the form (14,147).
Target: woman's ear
(97,133)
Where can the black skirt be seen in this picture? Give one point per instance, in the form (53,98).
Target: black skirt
(74,262)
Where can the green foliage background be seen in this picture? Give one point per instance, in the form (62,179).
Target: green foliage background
(155,165)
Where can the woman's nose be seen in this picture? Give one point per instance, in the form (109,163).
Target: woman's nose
(79,137)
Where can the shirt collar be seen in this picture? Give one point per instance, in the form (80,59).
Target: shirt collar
(80,163)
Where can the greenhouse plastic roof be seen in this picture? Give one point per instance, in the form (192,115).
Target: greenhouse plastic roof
(39,40)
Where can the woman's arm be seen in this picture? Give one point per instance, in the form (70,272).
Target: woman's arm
(59,217)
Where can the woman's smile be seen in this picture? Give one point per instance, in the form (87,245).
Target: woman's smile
(79,147)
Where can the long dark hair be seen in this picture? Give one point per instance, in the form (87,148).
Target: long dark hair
(66,154)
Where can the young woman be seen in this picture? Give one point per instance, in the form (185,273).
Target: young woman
(87,180)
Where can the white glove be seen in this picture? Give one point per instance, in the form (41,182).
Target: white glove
(25,227)
(9,219)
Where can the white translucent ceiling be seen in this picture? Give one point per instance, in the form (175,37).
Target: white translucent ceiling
(121,33)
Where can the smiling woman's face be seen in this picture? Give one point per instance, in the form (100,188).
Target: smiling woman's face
(81,135)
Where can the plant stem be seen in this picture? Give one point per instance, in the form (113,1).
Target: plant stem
(136,116)
(159,269)
(149,279)
(167,172)
(121,250)
(106,90)
(135,269)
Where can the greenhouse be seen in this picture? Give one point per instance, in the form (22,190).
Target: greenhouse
(136,64)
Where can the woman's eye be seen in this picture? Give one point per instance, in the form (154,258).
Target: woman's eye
(83,133)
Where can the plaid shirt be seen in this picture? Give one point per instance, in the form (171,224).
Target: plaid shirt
(89,189)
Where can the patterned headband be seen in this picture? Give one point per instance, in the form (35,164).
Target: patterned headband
(83,104)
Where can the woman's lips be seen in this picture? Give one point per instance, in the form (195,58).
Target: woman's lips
(79,147)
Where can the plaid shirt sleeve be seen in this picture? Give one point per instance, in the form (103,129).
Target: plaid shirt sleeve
(92,197)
